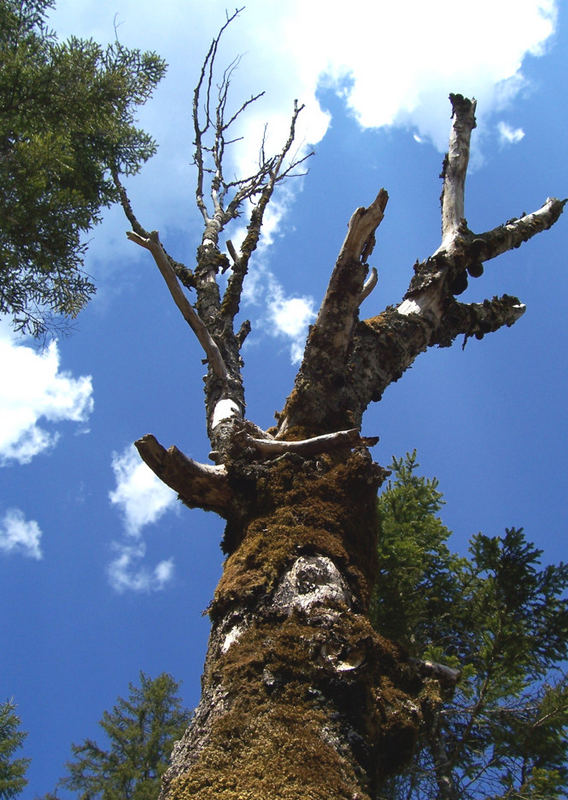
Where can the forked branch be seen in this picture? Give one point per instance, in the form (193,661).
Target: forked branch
(348,364)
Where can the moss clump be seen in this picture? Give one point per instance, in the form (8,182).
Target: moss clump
(325,506)
(278,751)
(311,703)
(296,727)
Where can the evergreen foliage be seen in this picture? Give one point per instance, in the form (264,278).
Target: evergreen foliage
(66,123)
(499,618)
(141,732)
(12,770)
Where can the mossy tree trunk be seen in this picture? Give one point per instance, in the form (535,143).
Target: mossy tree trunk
(301,697)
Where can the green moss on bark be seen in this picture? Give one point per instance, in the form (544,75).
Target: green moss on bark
(305,699)
(325,505)
(298,728)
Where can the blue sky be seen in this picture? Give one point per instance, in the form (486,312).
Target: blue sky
(103,573)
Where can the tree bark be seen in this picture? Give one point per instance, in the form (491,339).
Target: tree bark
(301,698)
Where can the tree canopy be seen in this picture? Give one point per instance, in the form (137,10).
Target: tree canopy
(67,125)
(12,770)
(140,731)
(498,617)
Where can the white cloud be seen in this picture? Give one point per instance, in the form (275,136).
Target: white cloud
(508,135)
(395,73)
(18,535)
(141,497)
(290,317)
(126,573)
(33,389)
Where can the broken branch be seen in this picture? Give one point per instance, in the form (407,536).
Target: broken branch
(455,166)
(361,229)
(198,485)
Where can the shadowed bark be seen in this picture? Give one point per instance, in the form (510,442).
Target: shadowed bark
(301,698)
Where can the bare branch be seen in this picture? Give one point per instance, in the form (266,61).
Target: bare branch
(513,233)
(126,205)
(369,285)
(455,167)
(184,274)
(313,446)
(263,183)
(152,243)
(477,319)
(252,99)
(198,485)
(232,251)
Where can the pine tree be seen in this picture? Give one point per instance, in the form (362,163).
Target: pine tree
(66,126)
(140,733)
(12,770)
(503,622)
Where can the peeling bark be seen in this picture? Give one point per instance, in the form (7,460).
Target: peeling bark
(455,168)
(301,698)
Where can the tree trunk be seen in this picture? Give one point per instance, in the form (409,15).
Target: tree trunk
(301,698)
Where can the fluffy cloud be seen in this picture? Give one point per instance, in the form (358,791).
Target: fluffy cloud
(393,73)
(290,317)
(141,499)
(508,135)
(18,535)
(126,573)
(34,389)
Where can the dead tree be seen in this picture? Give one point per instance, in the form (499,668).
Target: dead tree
(301,698)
